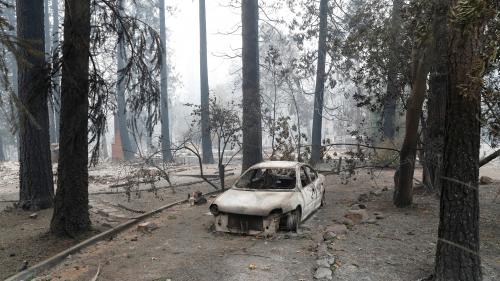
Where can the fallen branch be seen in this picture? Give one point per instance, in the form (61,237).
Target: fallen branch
(489,158)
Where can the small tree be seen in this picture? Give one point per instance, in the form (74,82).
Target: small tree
(225,127)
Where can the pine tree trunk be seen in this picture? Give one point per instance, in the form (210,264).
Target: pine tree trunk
(2,154)
(206,140)
(36,183)
(71,210)
(436,104)
(457,255)
(393,87)
(165,122)
(403,191)
(56,91)
(320,84)
(128,149)
(252,115)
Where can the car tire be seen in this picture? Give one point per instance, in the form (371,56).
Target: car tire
(293,220)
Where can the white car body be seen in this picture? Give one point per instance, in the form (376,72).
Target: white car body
(262,210)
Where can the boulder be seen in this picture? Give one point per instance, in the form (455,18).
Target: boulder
(485,180)
(357,216)
(323,273)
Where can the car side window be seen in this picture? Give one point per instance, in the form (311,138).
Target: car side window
(304,178)
(312,174)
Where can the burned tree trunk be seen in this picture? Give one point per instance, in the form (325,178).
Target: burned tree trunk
(71,210)
(436,104)
(457,254)
(165,125)
(36,184)
(393,87)
(252,115)
(403,191)
(320,84)
(206,140)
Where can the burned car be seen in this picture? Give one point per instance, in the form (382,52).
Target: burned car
(269,196)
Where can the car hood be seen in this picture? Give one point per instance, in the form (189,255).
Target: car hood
(257,203)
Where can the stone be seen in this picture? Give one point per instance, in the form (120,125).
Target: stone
(357,216)
(485,180)
(147,226)
(363,197)
(337,229)
(347,222)
(34,216)
(322,250)
(323,273)
(379,216)
(323,263)
(329,235)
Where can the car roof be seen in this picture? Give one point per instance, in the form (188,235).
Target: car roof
(277,164)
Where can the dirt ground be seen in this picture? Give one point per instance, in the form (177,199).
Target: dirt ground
(398,246)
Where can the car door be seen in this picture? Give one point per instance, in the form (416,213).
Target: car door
(308,191)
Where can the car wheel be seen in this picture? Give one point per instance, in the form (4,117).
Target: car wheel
(323,200)
(293,220)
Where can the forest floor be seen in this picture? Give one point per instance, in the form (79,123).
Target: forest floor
(399,245)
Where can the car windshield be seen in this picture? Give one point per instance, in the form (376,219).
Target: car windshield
(268,178)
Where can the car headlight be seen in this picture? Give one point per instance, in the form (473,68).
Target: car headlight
(214,209)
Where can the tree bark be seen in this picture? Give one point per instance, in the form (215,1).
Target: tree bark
(403,191)
(393,87)
(206,140)
(252,115)
(436,103)
(457,254)
(71,213)
(56,90)
(320,84)
(36,183)
(128,149)
(165,126)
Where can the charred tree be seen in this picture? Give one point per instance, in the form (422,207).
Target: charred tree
(128,150)
(71,208)
(252,115)
(165,122)
(320,84)
(36,183)
(56,87)
(393,87)
(2,154)
(436,103)
(457,254)
(206,140)
(403,191)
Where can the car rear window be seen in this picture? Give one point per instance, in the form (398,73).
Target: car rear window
(270,178)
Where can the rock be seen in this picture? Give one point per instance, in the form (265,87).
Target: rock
(133,238)
(358,206)
(147,226)
(379,216)
(323,263)
(363,197)
(485,180)
(331,260)
(322,250)
(347,222)
(34,216)
(357,216)
(329,235)
(24,266)
(370,221)
(385,189)
(337,229)
(12,254)
(323,273)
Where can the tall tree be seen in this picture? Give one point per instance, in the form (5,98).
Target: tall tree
(320,83)
(71,214)
(393,85)
(457,254)
(206,140)
(252,115)
(128,149)
(36,183)
(56,78)
(165,126)
(436,103)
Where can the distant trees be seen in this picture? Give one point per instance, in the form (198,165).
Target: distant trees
(252,115)
(71,213)
(320,83)
(206,141)
(36,184)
